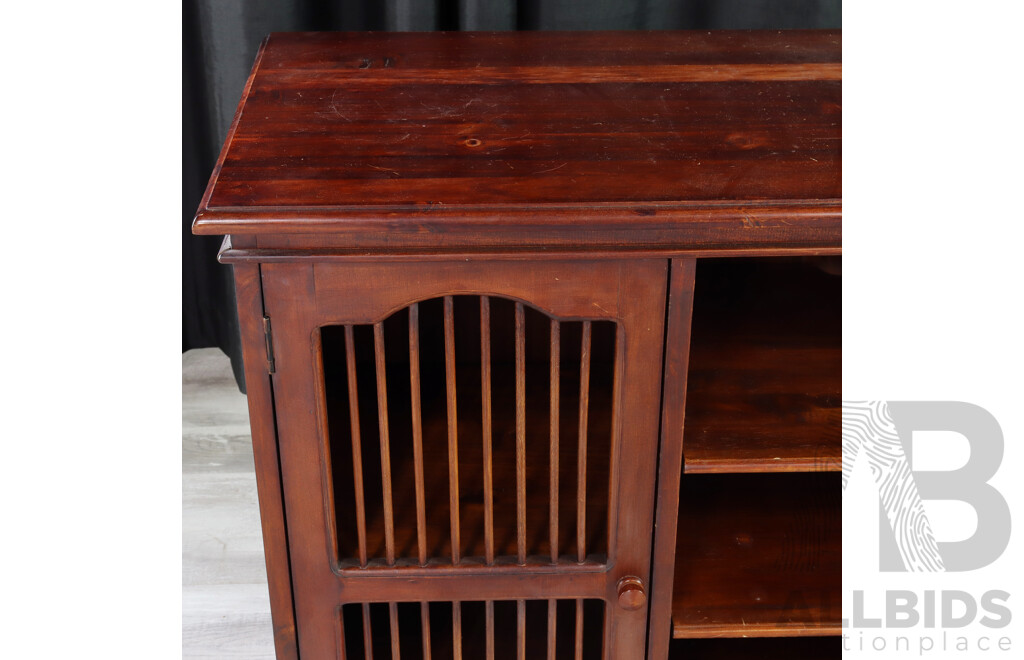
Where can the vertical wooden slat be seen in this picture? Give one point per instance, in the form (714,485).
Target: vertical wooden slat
(457,630)
(385,443)
(485,395)
(490,630)
(367,633)
(417,430)
(425,625)
(616,443)
(520,433)
(581,454)
(556,352)
(520,630)
(357,445)
(393,615)
(579,629)
(453,427)
(552,623)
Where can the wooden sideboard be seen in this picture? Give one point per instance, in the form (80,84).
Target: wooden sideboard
(478,276)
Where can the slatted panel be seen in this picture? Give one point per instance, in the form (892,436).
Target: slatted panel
(492,424)
(503,630)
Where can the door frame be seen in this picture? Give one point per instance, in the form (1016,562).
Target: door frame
(300,298)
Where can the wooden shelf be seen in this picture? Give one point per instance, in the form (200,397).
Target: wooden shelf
(765,368)
(806,648)
(758,556)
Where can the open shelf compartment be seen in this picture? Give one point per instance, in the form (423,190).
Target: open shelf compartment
(758,555)
(765,371)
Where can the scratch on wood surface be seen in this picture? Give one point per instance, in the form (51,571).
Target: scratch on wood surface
(334,105)
(385,169)
(552,169)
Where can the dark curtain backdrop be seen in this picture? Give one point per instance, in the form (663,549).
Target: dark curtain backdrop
(220,41)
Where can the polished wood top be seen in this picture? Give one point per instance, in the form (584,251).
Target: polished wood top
(662,139)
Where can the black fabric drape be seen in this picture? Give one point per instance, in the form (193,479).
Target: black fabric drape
(220,41)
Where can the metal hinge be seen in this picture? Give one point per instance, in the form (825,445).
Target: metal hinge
(268,335)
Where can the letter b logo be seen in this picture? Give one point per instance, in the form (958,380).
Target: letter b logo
(883,431)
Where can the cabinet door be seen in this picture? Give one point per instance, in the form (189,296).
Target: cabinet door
(468,453)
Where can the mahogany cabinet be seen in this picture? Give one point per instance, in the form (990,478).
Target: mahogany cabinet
(542,340)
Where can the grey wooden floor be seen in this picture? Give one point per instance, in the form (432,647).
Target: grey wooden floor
(225,606)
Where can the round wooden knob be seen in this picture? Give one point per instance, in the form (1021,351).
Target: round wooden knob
(632,595)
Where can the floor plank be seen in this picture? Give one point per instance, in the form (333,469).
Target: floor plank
(225,604)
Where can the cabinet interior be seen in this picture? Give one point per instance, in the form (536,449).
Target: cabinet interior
(758,555)
(758,549)
(765,370)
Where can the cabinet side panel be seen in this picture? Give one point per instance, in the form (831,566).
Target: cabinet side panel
(290,302)
(248,293)
(677,353)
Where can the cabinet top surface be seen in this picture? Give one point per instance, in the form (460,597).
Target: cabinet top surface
(581,130)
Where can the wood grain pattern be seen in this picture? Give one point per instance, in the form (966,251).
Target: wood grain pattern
(367,632)
(385,443)
(554,385)
(249,299)
(453,430)
(490,630)
(765,368)
(396,652)
(581,452)
(552,628)
(676,365)
(758,555)
(486,434)
(457,132)
(459,51)
(417,431)
(357,445)
(425,628)
(315,247)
